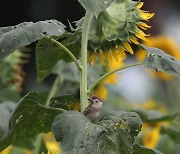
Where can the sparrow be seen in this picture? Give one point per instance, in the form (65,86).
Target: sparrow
(93,111)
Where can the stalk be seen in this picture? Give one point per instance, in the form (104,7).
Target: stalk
(84,42)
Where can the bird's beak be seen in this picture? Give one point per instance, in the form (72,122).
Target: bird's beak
(89,99)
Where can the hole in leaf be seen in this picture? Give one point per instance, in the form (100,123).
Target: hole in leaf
(44,33)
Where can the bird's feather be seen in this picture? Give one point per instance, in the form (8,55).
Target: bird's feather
(87,110)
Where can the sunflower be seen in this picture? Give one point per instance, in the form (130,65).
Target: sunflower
(51,144)
(13,75)
(151,131)
(151,135)
(165,43)
(115,28)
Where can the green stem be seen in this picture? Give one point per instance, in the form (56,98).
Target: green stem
(84,42)
(109,73)
(54,89)
(68,52)
(52,93)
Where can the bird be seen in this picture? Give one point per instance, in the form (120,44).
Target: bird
(93,111)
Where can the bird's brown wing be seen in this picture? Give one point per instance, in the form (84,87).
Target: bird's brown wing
(87,110)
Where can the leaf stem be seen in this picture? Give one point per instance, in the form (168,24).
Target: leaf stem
(109,73)
(68,52)
(84,42)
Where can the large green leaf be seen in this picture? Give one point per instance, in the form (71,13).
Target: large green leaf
(30,118)
(49,53)
(25,33)
(152,116)
(6,109)
(158,60)
(137,149)
(95,6)
(114,134)
(173,133)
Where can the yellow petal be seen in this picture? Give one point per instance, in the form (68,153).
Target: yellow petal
(144,28)
(141,37)
(128,47)
(115,55)
(145,25)
(134,40)
(106,54)
(142,33)
(94,58)
(89,57)
(146,15)
(121,53)
(101,58)
(111,79)
(101,92)
(140,5)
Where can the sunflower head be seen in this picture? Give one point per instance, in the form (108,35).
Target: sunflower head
(117,26)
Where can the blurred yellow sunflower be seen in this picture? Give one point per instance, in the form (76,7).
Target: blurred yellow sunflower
(120,24)
(52,145)
(101,90)
(165,43)
(151,132)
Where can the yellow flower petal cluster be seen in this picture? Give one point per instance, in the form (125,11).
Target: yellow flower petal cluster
(151,135)
(165,43)
(116,40)
(51,144)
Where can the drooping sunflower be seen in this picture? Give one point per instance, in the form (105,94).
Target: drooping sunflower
(115,28)
(165,43)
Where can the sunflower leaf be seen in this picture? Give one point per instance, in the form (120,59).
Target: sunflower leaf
(25,33)
(95,6)
(6,109)
(158,60)
(48,53)
(114,134)
(62,101)
(30,118)
(173,133)
(137,149)
(152,116)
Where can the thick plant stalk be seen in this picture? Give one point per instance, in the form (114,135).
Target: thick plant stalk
(84,42)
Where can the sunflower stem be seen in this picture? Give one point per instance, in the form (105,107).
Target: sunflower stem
(109,73)
(84,43)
